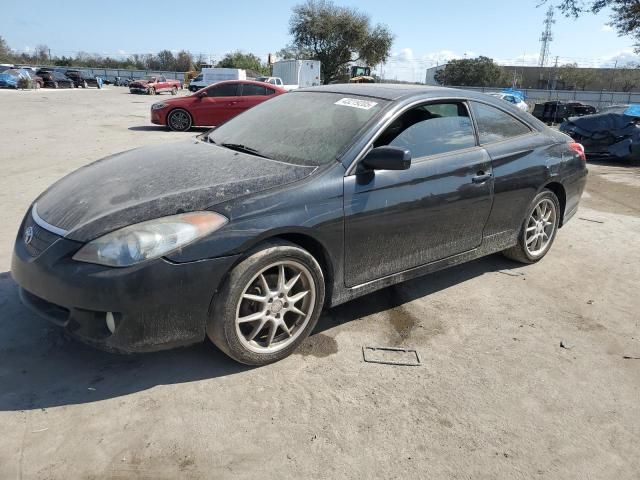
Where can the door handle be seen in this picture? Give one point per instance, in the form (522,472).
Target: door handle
(481,177)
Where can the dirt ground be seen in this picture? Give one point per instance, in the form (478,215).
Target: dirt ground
(496,396)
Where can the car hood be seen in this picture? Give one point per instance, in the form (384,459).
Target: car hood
(140,83)
(152,182)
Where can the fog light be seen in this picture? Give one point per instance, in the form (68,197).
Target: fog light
(111,322)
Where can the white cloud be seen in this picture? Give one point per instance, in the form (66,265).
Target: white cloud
(122,52)
(607,28)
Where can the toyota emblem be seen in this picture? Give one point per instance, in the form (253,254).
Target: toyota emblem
(28,235)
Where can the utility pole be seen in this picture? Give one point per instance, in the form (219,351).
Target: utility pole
(555,74)
(547,37)
(613,76)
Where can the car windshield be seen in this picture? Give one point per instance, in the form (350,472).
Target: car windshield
(149,78)
(304,128)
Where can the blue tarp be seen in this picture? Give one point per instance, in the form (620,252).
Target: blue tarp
(516,93)
(633,110)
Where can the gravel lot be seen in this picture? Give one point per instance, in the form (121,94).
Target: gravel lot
(496,395)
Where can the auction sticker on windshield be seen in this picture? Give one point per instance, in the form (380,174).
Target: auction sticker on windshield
(356,103)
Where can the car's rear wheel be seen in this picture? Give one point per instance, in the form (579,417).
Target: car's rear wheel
(539,229)
(268,304)
(174,91)
(179,120)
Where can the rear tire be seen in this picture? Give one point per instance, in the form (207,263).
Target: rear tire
(539,229)
(179,120)
(281,286)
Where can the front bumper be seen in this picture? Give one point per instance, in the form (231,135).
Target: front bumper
(159,117)
(138,90)
(156,305)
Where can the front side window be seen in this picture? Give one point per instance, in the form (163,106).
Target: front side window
(430,130)
(249,90)
(227,90)
(494,125)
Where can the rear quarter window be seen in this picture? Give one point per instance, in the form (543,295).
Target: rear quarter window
(494,125)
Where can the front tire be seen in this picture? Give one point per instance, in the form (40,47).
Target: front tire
(268,305)
(538,231)
(152,91)
(174,91)
(179,120)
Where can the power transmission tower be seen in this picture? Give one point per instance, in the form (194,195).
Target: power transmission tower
(547,37)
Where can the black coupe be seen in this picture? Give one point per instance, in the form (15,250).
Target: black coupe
(306,201)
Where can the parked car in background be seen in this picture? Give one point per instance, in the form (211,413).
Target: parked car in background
(152,84)
(209,76)
(557,111)
(81,79)
(514,99)
(310,199)
(212,106)
(10,78)
(612,133)
(122,81)
(54,78)
(277,81)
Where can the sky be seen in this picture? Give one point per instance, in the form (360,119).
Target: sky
(426,32)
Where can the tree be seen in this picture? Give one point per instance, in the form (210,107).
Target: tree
(5,51)
(291,52)
(337,36)
(574,77)
(183,61)
(472,72)
(626,79)
(625,14)
(247,61)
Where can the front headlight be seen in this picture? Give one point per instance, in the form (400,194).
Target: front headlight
(147,240)
(158,106)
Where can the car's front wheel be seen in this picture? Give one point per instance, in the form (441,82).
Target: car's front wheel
(538,230)
(268,304)
(174,91)
(152,91)
(179,120)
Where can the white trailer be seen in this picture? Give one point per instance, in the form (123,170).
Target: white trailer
(209,76)
(304,73)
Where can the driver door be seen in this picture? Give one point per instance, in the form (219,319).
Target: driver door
(219,105)
(402,219)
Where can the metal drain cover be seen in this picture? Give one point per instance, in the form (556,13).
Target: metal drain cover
(391,356)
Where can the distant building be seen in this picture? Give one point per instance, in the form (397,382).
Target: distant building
(430,78)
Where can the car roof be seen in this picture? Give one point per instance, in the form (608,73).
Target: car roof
(395,92)
(252,82)
(400,93)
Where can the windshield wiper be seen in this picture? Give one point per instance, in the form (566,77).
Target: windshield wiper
(243,148)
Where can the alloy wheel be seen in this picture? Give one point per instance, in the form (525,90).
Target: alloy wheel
(540,227)
(179,120)
(275,307)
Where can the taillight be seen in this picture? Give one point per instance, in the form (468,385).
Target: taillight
(579,149)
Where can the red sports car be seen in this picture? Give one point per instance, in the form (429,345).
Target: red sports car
(213,105)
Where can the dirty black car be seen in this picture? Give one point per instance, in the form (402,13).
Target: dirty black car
(247,232)
(81,79)
(54,78)
(614,133)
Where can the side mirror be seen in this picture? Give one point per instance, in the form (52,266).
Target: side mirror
(201,94)
(387,158)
